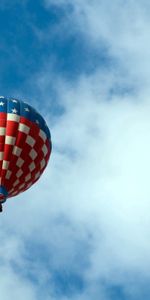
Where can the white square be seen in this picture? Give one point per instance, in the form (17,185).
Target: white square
(43,163)
(10,140)
(17,151)
(13,117)
(2,131)
(19,173)
(37,175)
(21,186)
(42,135)
(14,193)
(33,154)
(20,162)
(16,182)
(28,177)
(5,165)
(23,128)
(8,174)
(44,149)
(32,166)
(1,155)
(30,140)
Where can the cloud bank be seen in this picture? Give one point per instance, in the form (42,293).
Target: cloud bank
(84,232)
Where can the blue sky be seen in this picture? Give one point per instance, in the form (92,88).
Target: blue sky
(30,38)
(82,232)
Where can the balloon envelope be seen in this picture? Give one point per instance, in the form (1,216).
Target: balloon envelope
(25,146)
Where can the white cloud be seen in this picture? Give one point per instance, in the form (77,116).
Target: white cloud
(95,192)
(98,179)
(122,26)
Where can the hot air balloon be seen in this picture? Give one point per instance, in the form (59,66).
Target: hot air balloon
(25,147)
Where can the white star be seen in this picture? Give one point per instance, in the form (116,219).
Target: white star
(2,97)
(27,109)
(15,101)
(14,111)
(2,103)
(37,122)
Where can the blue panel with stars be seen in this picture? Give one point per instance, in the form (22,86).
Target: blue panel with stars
(15,106)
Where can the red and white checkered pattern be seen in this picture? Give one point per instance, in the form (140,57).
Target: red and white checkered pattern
(24,153)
